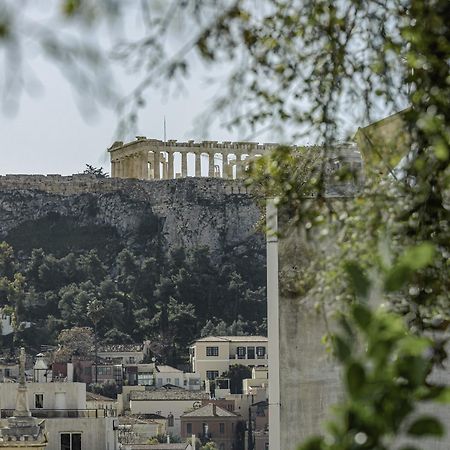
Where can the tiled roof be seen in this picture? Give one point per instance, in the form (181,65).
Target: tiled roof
(90,396)
(121,348)
(167,369)
(208,411)
(139,419)
(181,446)
(232,339)
(168,394)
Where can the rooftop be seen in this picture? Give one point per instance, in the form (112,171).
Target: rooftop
(232,339)
(168,393)
(210,410)
(90,396)
(121,348)
(167,369)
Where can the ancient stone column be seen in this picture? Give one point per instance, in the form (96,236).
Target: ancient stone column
(156,168)
(198,164)
(113,169)
(124,167)
(225,166)
(144,165)
(210,164)
(238,165)
(170,164)
(136,166)
(184,164)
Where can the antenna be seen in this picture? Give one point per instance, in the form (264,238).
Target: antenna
(165,137)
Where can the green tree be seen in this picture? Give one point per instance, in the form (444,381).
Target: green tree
(236,374)
(97,172)
(75,341)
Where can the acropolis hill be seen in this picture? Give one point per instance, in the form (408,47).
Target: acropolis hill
(144,202)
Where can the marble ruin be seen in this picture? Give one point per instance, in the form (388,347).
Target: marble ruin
(151,159)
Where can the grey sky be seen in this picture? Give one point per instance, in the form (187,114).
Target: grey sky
(50,134)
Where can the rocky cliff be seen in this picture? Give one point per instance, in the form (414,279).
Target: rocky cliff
(80,212)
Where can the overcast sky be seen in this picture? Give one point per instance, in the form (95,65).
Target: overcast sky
(48,133)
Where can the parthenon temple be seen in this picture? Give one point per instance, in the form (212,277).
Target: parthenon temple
(152,159)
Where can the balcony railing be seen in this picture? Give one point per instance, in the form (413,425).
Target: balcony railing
(256,357)
(62,413)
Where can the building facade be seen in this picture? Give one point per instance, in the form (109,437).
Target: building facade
(213,423)
(211,356)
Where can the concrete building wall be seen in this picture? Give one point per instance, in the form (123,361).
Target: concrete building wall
(96,433)
(304,378)
(54,395)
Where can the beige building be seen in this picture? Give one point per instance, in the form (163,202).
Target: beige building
(211,356)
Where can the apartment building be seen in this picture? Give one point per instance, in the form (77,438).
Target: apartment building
(211,356)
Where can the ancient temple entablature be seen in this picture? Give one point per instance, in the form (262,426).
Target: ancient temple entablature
(151,159)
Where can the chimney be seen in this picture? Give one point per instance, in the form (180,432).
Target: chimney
(214,409)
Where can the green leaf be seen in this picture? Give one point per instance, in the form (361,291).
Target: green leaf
(362,315)
(419,256)
(444,395)
(341,348)
(356,378)
(413,259)
(358,279)
(426,426)
(314,443)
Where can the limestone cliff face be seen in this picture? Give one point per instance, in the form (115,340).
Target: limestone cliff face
(81,212)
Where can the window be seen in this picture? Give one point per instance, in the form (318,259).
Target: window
(251,352)
(38,400)
(170,421)
(260,352)
(212,351)
(189,428)
(222,446)
(70,441)
(240,352)
(177,381)
(131,360)
(221,428)
(168,380)
(185,382)
(103,370)
(87,370)
(212,374)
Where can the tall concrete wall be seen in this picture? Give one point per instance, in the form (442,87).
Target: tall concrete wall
(309,377)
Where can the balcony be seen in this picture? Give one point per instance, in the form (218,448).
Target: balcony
(62,413)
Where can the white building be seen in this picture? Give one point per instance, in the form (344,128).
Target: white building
(63,406)
(211,356)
